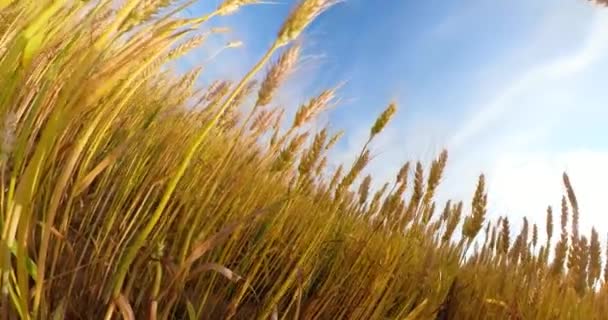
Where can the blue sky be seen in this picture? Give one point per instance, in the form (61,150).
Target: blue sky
(512,88)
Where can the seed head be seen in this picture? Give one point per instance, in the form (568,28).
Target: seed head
(549,223)
(525,230)
(606,265)
(418,187)
(453,221)
(583,265)
(516,249)
(229,7)
(364,189)
(303,14)
(573,204)
(308,111)
(403,172)
(564,216)
(336,177)
(242,95)
(492,240)
(384,118)
(446,211)
(144,11)
(334,139)
(216,90)
(505,236)
(276,127)
(428,213)
(311,156)
(350,177)
(322,164)
(277,74)
(185,47)
(561,250)
(474,222)
(435,174)
(286,157)
(261,121)
(373,207)
(595,258)
(534,235)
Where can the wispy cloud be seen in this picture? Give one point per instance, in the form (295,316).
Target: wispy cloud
(594,47)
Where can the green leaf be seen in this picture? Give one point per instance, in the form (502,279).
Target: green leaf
(191,311)
(59,312)
(30,264)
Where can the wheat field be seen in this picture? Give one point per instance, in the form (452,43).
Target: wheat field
(131,191)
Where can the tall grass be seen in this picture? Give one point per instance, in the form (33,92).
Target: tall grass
(130,191)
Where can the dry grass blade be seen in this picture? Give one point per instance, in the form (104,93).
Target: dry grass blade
(203,246)
(417,312)
(227,273)
(86,181)
(124,307)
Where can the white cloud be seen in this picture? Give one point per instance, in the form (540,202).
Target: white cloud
(526,183)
